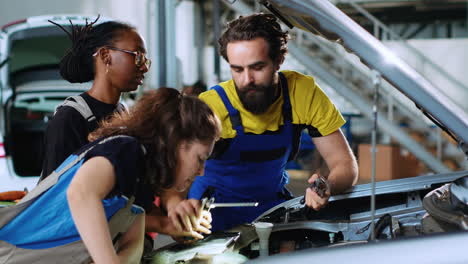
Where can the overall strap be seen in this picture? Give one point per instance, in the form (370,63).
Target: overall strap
(8,213)
(79,104)
(287,109)
(55,175)
(122,219)
(121,108)
(234,114)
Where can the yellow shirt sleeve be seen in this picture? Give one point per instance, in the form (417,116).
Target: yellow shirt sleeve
(311,106)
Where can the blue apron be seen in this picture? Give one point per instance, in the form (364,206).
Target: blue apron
(45,222)
(251,170)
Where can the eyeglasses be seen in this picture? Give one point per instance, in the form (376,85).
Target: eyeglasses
(140,57)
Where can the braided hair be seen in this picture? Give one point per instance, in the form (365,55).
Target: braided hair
(77,65)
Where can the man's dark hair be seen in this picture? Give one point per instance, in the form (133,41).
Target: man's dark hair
(77,65)
(256,26)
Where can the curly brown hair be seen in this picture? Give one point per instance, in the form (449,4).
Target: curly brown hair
(256,26)
(161,120)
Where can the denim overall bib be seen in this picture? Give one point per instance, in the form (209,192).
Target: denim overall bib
(244,173)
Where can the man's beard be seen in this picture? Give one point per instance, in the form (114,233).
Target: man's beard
(260,100)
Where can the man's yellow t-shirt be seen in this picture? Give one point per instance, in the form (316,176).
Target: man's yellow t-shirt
(311,109)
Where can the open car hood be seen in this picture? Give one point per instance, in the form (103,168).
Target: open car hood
(348,213)
(322,18)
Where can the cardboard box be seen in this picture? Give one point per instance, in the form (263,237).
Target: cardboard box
(391,163)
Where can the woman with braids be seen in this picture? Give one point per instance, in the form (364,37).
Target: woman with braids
(91,209)
(112,55)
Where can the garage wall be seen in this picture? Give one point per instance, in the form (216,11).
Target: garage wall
(450,54)
(133,12)
(19,9)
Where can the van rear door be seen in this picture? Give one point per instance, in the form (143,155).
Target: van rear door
(33,89)
(3,76)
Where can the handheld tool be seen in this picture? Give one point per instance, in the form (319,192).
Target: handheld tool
(320,186)
(207,204)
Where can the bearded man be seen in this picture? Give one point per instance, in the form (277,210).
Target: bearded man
(263,111)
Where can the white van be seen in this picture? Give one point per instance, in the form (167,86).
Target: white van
(30,89)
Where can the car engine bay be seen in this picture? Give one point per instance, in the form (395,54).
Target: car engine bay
(347,220)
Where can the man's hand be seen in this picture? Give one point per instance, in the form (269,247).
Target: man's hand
(189,219)
(313,199)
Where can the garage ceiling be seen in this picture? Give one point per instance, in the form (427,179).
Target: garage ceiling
(408,11)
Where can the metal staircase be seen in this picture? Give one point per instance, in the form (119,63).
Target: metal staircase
(352,80)
(356,82)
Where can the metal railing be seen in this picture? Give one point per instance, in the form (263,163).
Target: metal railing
(358,96)
(361,96)
(384,33)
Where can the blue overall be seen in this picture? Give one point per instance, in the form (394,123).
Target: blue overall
(47,222)
(242,174)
